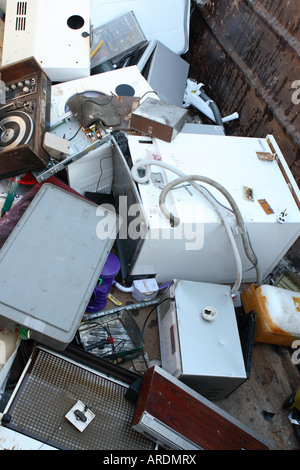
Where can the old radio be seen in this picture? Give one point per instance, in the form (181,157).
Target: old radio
(24,118)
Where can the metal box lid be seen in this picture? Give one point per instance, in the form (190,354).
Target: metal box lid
(50,264)
(159,119)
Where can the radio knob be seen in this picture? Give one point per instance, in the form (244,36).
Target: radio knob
(13,86)
(25,89)
(20,84)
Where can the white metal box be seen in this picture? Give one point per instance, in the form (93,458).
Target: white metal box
(205,355)
(198,249)
(51,32)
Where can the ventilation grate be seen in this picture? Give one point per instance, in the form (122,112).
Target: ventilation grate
(52,386)
(21,16)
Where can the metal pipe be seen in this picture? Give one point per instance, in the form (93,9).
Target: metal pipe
(136,306)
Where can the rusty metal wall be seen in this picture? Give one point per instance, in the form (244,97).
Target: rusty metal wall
(247,53)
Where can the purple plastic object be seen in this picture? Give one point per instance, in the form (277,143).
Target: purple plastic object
(105,281)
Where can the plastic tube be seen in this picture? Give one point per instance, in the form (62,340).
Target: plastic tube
(130,289)
(195,96)
(217,207)
(213,107)
(122,288)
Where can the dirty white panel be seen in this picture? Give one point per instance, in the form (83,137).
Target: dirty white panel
(11,440)
(52,32)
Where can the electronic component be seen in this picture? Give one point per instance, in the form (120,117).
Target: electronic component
(56,146)
(92,142)
(159,119)
(24,118)
(116,38)
(178,418)
(80,416)
(248,193)
(266,206)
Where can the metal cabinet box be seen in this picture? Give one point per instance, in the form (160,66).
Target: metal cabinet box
(205,355)
(159,119)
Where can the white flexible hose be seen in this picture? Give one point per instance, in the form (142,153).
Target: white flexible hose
(217,207)
(122,288)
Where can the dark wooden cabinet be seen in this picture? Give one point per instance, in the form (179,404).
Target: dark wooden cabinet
(167,409)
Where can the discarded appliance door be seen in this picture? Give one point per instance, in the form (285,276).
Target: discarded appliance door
(50,264)
(49,387)
(178,418)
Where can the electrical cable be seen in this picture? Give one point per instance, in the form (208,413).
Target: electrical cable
(162,299)
(101,170)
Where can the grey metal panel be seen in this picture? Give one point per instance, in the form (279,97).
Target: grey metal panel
(126,195)
(50,263)
(168,74)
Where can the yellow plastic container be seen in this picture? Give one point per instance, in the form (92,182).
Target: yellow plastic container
(277,313)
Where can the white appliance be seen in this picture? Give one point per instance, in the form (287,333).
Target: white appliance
(106,83)
(198,249)
(55,33)
(167,21)
(204,354)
